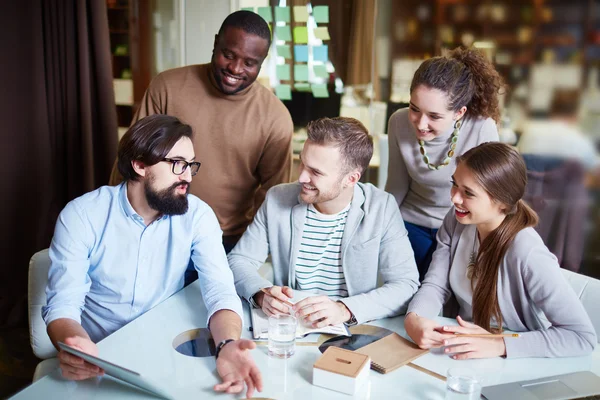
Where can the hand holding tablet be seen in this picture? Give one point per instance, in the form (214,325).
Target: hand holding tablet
(74,367)
(116,371)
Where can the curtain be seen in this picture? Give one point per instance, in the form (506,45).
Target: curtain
(352,31)
(59,123)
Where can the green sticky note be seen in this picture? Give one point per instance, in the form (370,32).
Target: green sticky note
(283,72)
(300,72)
(248,9)
(300,14)
(284,92)
(302,86)
(319,90)
(283,33)
(284,51)
(282,14)
(300,34)
(321,14)
(266,13)
(322,33)
(320,71)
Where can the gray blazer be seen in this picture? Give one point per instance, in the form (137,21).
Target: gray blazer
(533,295)
(374,243)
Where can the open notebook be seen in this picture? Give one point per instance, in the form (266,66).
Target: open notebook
(260,322)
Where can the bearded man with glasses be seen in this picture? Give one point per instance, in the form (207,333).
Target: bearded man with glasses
(121,250)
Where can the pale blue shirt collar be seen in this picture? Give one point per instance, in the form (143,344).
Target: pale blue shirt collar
(128,208)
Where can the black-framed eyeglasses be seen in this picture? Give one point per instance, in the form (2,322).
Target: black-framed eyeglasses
(179,166)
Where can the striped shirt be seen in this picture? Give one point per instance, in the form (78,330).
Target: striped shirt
(319,263)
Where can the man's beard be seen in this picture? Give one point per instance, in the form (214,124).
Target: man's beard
(166,201)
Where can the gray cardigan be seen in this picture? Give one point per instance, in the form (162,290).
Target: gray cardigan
(423,194)
(533,295)
(374,242)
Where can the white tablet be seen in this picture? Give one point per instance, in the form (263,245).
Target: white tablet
(117,371)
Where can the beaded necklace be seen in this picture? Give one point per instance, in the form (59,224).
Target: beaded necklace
(449,155)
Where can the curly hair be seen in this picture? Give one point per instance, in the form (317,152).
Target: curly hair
(468,79)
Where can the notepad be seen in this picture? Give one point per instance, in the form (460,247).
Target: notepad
(260,322)
(391,352)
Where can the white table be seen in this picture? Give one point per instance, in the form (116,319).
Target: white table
(145,346)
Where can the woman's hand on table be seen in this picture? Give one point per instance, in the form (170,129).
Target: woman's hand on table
(235,366)
(425,332)
(462,347)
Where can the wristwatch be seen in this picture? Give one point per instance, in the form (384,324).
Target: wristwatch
(352,321)
(221,345)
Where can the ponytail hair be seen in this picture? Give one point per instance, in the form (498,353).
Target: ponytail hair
(467,78)
(501,172)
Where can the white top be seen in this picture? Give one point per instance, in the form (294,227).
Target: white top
(459,280)
(319,262)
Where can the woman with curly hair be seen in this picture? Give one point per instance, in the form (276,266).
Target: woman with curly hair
(453,108)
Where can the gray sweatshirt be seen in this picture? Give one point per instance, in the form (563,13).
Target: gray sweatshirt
(533,295)
(423,194)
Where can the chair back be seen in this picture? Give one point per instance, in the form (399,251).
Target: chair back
(382,172)
(36,298)
(588,291)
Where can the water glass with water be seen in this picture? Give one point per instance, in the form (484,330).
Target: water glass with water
(282,335)
(462,384)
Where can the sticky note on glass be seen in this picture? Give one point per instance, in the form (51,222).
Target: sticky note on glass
(322,33)
(320,53)
(302,87)
(319,90)
(284,92)
(300,72)
(320,71)
(300,14)
(283,33)
(283,72)
(321,14)
(284,51)
(266,13)
(301,52)
(248,9)
(282,14)
(300,34)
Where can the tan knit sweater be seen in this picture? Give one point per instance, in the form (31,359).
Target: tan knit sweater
(243,140)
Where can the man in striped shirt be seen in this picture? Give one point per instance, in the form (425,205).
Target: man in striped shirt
(329,234)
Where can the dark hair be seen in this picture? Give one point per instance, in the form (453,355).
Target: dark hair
(349,135)
(249,22)
(468,79)
(501,171)
(149,140)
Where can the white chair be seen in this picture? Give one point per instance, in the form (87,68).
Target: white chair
(588,291)
(36,299)
(383,160)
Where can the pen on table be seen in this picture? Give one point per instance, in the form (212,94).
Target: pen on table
(265,291)
(489,335)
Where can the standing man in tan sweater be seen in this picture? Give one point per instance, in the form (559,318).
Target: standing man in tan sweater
(242,132)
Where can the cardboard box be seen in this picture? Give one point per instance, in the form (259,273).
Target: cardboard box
(341,370)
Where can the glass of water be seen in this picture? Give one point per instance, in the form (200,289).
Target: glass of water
(462,384)
(282,335)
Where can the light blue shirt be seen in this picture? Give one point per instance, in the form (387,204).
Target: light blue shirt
(108,268)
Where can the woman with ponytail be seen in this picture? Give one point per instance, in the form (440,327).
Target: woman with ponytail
(496,266)
(453,107)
